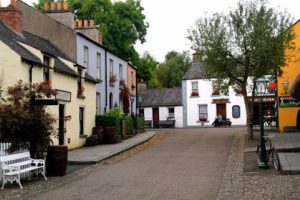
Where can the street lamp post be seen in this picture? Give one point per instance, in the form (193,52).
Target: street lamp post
(261,87)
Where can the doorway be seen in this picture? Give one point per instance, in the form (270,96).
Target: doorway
(61,125)
(221,110)
(155,117)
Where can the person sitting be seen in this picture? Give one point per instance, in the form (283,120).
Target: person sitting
(220,119)
(216,122)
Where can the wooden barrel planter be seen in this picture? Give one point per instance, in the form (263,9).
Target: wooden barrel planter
(109,135)
(99,131)
(57,160)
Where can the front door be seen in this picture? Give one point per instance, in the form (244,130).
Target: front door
(61,125)
(155,117)
(221,110)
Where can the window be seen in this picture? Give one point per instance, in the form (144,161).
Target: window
(98,101)
(81,120)
(141,112)
(46,69)
(236,111)
(195,91)
(98,73)
(171,112)
(120,72)
(86,57)
(79,83)
(203,115)
(111,67)
(215,88)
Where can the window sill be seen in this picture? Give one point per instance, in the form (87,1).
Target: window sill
(111,84)
(80,96)
(83,136)
(215,95)
(194,96)
(203,121)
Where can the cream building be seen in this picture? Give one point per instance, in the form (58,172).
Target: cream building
(32,59)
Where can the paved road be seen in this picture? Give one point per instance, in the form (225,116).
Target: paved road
(187,165)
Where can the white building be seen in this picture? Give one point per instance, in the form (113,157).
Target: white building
(161,105)
(202,101)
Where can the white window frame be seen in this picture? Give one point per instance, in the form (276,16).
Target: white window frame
(111,67)
(98,103)
(98,72)
(86,56)
(120,71)
(195,88)
(171,114)
(203,111)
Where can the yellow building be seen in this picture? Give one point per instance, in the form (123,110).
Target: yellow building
(288,106)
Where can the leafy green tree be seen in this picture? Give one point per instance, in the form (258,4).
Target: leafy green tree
(146,67)
(122,23)
(247,43)
(169,73)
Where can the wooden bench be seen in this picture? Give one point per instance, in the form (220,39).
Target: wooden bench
(148,123)
(12,166)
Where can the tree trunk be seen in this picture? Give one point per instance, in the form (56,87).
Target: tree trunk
(249,113)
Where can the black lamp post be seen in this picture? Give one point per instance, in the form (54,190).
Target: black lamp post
(261,88)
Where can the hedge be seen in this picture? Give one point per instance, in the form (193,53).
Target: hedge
(108,121)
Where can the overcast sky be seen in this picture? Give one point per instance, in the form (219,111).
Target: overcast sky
(169,20)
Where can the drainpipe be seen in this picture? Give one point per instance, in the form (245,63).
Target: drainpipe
(105,81)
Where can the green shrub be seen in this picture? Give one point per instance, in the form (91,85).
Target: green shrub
(128,125)
(140,123)
(109,121)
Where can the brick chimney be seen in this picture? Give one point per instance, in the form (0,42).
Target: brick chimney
(196,57)
(12,17)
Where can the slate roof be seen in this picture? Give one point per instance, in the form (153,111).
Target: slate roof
(161,97)
(12,39)
(195,72)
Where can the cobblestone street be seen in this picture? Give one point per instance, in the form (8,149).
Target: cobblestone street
(258,185)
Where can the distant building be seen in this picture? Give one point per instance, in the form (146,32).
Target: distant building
(202,100)
(160,105)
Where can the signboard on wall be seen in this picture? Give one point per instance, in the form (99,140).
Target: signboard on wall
(287,101)
(62,95)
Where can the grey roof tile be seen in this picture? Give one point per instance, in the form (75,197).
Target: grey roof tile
(161,97)
(195,72)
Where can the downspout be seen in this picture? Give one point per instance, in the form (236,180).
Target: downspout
(105,108)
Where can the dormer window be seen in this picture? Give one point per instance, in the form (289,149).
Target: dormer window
(46,69)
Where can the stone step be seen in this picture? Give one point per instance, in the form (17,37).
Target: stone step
(289,162)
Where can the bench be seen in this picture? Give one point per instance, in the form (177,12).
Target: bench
(169,123)
(12,166)
(148,123)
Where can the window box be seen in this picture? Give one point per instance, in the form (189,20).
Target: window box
(195,94)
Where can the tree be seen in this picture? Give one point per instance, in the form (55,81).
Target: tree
(121,23)
(21,122)
(169,74)
(244,45)
(146,67)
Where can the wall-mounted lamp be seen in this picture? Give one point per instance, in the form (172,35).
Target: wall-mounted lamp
(286,86)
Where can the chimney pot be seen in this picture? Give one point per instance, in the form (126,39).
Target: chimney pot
(79,24)
(13,3)
(92,23)
(66,5)
(196,57)
(58,5)
(52,5)
(46,6)
(86,23)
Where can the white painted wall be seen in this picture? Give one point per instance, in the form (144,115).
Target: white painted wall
(164,114)
(206,97)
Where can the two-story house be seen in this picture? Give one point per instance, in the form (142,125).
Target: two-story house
(202,100)
(32,58)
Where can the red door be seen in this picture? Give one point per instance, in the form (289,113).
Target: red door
(155,117)
(221,110)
